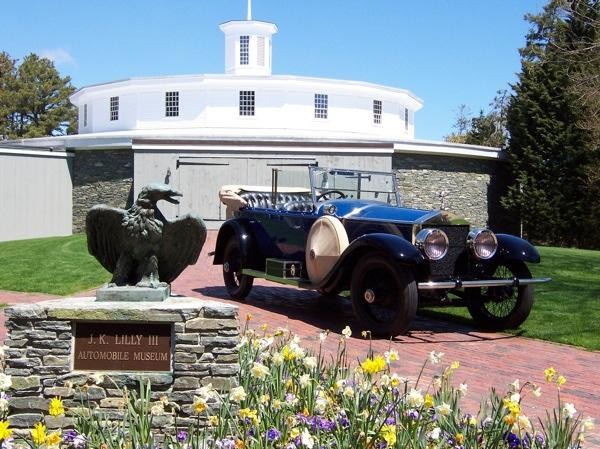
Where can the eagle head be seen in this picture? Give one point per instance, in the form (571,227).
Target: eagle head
(153,193)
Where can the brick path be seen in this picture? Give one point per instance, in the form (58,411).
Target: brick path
(486,359)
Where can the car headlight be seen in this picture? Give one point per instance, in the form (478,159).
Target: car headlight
(483,243)
(432,242)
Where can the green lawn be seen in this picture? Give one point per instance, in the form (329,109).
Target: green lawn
(58,265)
(566,310)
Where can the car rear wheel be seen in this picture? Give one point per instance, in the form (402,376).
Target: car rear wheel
(238,285)
(384,296)
(502,307)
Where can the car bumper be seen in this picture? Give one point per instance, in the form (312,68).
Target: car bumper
(457,283)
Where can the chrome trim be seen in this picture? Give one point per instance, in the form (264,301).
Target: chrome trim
(471,242)
(480,283)
(423,235)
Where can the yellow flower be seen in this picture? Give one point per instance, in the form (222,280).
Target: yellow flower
(199,404)
(264,327)
(239,444)
(295,432)
(428,403)
(38,433)
(213,420)
(391,356)
(388,433)
(56,407)
(561,380)
(53,439)
(473,421)
(455,365)
(460,438)
(249,317)
(248,413)
(549,373)
(374,365)
(5,432)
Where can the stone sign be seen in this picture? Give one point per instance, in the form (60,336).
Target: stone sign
(122,346)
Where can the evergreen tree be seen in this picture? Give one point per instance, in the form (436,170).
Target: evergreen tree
(549,152)
(34,98)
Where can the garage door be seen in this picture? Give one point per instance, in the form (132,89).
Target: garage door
(202,177)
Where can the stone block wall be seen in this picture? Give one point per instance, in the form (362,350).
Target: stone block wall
(101,177)
(39,357)
(468,187)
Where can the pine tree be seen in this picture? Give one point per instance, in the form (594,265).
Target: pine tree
(548,151)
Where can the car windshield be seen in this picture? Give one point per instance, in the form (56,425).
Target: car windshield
(366,185)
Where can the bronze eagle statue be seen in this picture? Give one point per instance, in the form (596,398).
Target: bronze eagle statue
(139,246)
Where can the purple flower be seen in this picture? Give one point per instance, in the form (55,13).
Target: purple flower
(513,440)
(413,414)
(181,436)
(390,420)
(273,434)
(69,436)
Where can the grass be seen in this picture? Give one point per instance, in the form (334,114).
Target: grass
(57,265)
(566,310)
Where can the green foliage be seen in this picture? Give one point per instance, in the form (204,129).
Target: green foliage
(550,154)
(34,99)
(571,299)
(57,265)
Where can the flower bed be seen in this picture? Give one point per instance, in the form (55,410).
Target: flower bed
(288,397)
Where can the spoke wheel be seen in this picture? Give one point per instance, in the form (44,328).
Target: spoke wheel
(502,307)
(238,285)
(384,296)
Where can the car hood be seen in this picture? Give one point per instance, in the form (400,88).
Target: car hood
(373,210)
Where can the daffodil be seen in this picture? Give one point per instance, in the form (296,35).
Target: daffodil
(561,380)
(347,332)
(428,402)
(53,439)
(444,409)
(414,398)
(569,410)
(373,365)
(199,404)
(5,432)
(391,356)
(56,407)
(435,357)
(237,394)
(549,374)
(38,433)
(259,370)
(388,433)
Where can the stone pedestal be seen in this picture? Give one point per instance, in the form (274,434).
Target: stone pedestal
(43,337)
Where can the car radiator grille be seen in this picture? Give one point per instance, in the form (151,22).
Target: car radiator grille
(455,262)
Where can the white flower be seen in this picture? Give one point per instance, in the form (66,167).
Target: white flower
(157,409)
(437,381)
(323,336)
(237,394)
(434,434)
(296,340)
(207,391)
(515,397)
(391,356)
(3,405)
(414,398)
(435,357)
(310,362)
(5,382)
(307,439)
(444,409)
(348,392)
(340,384)
(537,392)
(516,385)
(320,404)
(277,359)
(523,424)
(463,389)
(304,380)
(264,343)
(385,380)
(587,424)
(259,370)
(347,332)
(569,410)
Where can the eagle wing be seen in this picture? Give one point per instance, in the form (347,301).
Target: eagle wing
(105,234)
(182,241)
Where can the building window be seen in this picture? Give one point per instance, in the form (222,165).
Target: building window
(261,51)
(172,104)
(377,111)
(246,102)
(406,119)
(244,50)
(321,105)
(114,108)
(85,115)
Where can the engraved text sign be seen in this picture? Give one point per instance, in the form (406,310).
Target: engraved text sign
(118,346)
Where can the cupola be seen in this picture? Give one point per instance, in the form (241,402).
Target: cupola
(248,48)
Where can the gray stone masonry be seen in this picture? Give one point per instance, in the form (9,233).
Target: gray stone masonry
(101,177)
(39,357)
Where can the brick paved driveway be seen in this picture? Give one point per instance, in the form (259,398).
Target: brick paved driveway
(487,359)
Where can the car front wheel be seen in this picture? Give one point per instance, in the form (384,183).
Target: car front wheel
(502,307)
(238,285)
(384,296)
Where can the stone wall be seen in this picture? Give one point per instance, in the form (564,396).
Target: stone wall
(101,177)
(468,187)
(39,357)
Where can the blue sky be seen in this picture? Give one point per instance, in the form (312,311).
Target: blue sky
(447,52)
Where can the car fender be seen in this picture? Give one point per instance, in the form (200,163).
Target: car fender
(515,248)
(391,246)
(239,229)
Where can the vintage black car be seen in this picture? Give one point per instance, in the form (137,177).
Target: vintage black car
(347,231)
